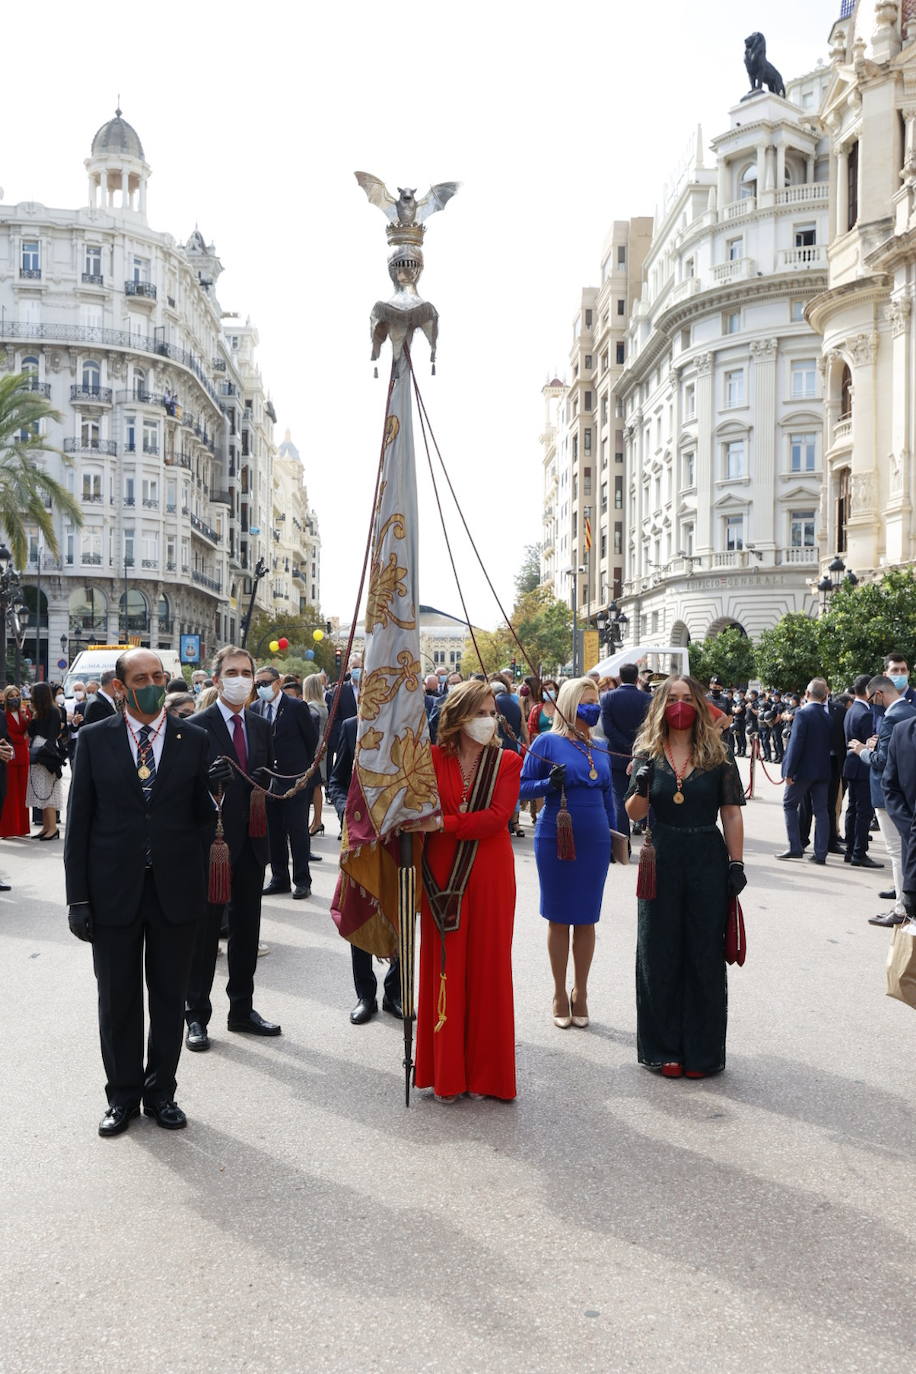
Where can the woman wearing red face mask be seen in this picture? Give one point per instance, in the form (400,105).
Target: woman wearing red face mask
(682,771)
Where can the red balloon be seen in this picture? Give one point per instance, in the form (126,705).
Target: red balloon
(284,643)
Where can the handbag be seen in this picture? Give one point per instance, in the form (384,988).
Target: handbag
(901,964)
(37,748)
(735,937)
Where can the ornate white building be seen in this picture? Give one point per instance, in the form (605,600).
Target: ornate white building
(296,557)
(165,419)
(866,312)
(721,394)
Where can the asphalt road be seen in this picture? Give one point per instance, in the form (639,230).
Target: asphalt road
(608,1220)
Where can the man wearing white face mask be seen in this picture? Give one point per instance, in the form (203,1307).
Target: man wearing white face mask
(295,739)
(243,738)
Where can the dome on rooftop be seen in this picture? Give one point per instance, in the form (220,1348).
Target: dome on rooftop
(118,137)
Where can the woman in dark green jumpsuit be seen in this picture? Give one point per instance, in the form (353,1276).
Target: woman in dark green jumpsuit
(682,772)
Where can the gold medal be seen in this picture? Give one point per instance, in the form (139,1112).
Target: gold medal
(463,806)
(143,772)
(678,798)
(593,773)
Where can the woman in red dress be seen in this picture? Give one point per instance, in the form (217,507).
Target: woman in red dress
(473,1050)
(14,818)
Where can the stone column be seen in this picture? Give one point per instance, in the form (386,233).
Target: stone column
(898,507)
(780,166)
(722,195)
(863,524)
(842,190)
(809,169)
(125,189)
(761,524)
(704,539)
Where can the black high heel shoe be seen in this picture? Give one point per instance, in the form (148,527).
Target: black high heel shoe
(55,836)
(316,829)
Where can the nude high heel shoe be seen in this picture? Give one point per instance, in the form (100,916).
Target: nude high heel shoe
(561,1022)
(580,1021)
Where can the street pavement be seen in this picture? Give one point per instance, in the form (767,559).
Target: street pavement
(609,1220)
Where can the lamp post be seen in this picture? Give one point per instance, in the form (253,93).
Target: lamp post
(573,575)
(259,571)
(10,597)
(612,626)
(833,579)
(19,617)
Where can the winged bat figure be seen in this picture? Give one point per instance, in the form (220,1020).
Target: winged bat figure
(406,209)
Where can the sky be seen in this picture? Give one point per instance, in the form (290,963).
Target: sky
(556,119)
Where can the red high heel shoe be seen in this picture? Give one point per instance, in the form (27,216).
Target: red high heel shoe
(695,1073)
(671,1070)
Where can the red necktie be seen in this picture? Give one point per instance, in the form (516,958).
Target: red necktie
(238,739)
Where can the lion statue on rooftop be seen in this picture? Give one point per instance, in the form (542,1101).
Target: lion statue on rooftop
(761,72)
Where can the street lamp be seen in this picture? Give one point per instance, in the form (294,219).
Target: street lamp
(833,579)
(10,597)
(573,573)
(613,626)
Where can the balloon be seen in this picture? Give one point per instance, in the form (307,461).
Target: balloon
(318,636)
(283,643)
(310,653)
(274,646)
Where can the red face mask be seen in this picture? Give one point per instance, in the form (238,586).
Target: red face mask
(680,715)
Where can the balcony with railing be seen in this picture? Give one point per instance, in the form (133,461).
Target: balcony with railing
(803,194)
(202,528)
(30,273)
(809,255)
(149,562)
(738,208)
(90,395)
(142,290)
(104,446)
(688,287)
(93,498)
(41,388)
(150,503)
(93,279)
(92,560)
(219,364)
(221,498)
(842,431)
(804,554)
(736,269)
(138,396)
(202,580)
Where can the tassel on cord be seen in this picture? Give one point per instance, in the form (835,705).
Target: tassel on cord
(440,1009)
(566,843)
(219,885)
(645,876)
(257,814)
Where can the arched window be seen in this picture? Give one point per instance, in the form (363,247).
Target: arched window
(747,181)
(845,393)
(139,384)
(137,612)
(30,366)
(91,376)
(163,610)
(88,613)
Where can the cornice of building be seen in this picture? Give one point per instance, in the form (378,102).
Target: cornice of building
(861,291)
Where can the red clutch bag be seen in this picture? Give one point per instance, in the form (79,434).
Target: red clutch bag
(735,938)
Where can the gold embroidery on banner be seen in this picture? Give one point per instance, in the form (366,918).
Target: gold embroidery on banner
(416,776)
(376,690)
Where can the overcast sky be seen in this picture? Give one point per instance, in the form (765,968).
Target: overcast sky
(557,119)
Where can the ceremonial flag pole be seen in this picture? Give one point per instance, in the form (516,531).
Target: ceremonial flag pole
(393,786)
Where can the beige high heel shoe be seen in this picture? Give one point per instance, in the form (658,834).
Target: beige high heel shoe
(561,1022)
(580,1021)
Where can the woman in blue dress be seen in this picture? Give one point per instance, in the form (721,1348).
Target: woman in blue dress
(566,766)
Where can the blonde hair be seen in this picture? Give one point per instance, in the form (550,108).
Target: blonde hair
(311,688)
(706,747)
(206,698)
(568,699)
(463,702)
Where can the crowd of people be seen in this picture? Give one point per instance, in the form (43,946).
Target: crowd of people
(168,840)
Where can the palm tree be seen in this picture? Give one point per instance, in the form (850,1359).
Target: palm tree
(28,495)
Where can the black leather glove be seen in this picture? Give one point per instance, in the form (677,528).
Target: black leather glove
(556,777)
(737,879)
(79,919)
(220,772)
(643,777)
(909,903)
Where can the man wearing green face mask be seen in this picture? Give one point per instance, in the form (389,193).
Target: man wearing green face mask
(135,858)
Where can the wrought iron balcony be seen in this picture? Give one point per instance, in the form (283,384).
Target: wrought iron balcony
(93,497)
(221,498)
(92,559)
(149,563)
(151,450)
(203,528)
(93,279)
(107,446)
(30,273)
(42,388)
(219,364)
(144,289)
(170,508)
(150,503)
(202,580)
(170,565)
(130,500)
(91,395)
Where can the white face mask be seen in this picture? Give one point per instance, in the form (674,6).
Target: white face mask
(59,698)
(481,729)
(236,690)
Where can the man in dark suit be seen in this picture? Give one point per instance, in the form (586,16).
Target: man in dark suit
(103,703)
(806,769)
(135,858)
(622,713)
(294,735)
(899,783)
(891,708)
(238,735)
(364,978)
(858,724)
(346,705)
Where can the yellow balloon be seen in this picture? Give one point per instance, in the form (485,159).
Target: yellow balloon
(274,646)
(318,636)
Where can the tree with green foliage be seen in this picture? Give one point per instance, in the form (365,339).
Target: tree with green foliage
(728,655)
(298,630)
(789,653)
(529,574)
(864,622)
(544,627)
(29,497)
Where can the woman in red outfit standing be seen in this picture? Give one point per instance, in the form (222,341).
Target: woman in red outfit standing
(14,818)
(466,1020)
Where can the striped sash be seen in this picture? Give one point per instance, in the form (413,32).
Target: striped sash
(445,902)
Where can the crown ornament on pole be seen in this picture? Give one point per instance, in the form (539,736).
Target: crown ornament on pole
(405,311)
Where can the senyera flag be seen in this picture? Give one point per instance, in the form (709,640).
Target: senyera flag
(393,779)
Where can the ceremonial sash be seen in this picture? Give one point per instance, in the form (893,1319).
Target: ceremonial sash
(445,902)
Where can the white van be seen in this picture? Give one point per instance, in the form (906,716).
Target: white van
(89,664)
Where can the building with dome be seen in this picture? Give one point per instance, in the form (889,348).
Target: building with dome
(296,543)
(166,427)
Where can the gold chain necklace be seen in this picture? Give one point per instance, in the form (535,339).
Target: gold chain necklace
(467,780)
(679,775)
(583,748)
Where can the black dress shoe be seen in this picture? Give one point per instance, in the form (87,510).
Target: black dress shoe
(315,858)
(847,859)
(889,896)
(364,1011)
(393,1006)
(813,859)
(791,854)
(253,1024)
(274,886)
(118,1118)
(5,887)
(835,849)
(887,918)
(301,891)
(865,863)
(197,1037)
(168,1115)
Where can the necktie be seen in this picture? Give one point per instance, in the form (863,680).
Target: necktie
(270,713)
(238,739)
(146,772)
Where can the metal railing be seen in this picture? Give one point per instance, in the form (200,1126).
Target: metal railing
(30,273)
(91,559)
(95,395)
(144,289)
(42,388)
(202,580)
(107,446)
(94,498)
(150,503)
(203,528)
(93,279)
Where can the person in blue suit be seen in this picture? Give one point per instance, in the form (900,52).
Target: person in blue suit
(858,724)
(887,699)
(294,736)
(565,762)
(806,769)
(623,711)
(899,783)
